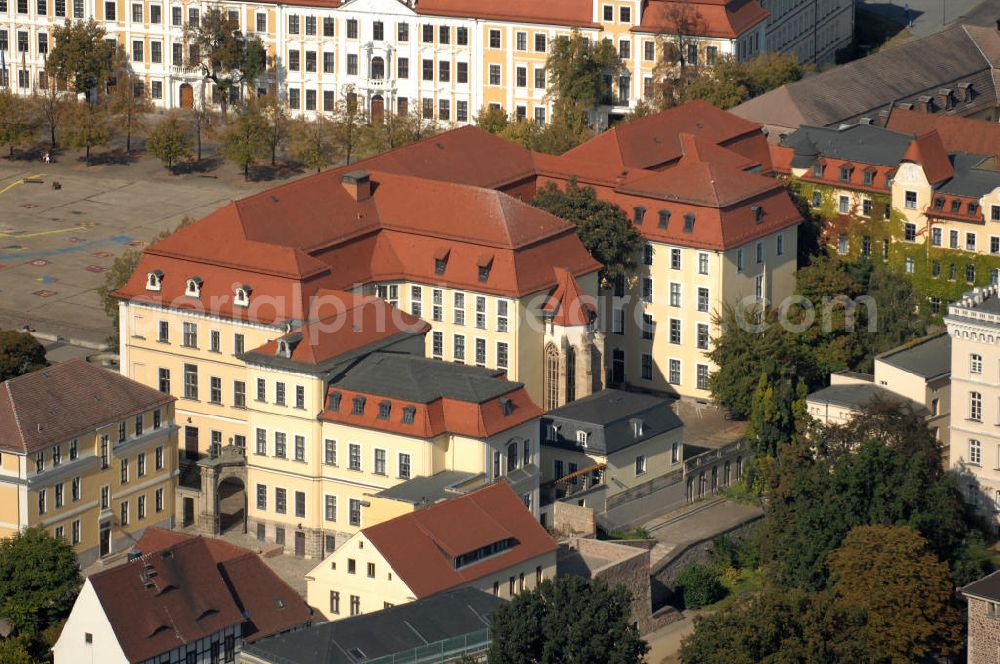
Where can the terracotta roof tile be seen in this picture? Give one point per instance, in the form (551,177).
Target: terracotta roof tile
(569,305)
(421,546)
(57,403)
(707,18)
(156,539)
(957,133)
(557,12)
(928,151)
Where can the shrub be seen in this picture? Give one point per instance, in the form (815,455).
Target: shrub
(700,585)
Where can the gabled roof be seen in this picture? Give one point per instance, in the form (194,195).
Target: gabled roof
(57,403)
(728,19)
(928,151)
(569,305)
(859,143)
(987,588)
(396,630)
(166,599)
(702,183)
(421,546)
(864,87)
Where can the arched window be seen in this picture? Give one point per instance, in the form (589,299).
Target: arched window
(378,68)
(154,280)
(512,457)
(551,377)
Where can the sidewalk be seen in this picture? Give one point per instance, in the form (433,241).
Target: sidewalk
(665,643)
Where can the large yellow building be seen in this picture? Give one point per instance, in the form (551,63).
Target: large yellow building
(486,539)
(87,454)
(443,58)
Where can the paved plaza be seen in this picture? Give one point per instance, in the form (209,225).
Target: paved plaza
(56,244)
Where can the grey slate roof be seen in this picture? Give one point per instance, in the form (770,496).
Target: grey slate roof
(423,380)
(901,74)
(607,417)
(969,180)
(987,587)
(447,615)
(856,395)
(429,490)
(865,144)
(929,358)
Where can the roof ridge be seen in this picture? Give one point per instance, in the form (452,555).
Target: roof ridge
(17,419)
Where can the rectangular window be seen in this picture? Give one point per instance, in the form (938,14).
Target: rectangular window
(311,25)
(910,232)
(481,352)
(495,43)
(502,309)
(675,295)
(675,331)
(702,376)
(911,200)
(702,298)
(262,497)
(502,355)
(280,501)
(215,390)
(190,337)
(293,59)
(354,451)
(300,504)
(444,34)
(521,76)
(675,259)
(458,354)
(494,74)
(293,24)
(379,462)
(300,448)
(279,393)
(403,32)
(427,70)
(352,28)
(123,513)
(702,340)
(462,36)
(355,515)
(191,381)
(124,471)
(404,466)
(647,366)
(310,62)
(437,345)
(674,372)
(444,109)
(352,64)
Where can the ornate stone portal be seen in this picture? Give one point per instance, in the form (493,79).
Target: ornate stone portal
(228,467)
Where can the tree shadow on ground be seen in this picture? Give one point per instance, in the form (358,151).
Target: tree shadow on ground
(118,157)
(197,167)
(268,173)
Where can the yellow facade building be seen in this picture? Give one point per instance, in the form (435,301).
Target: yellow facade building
(486,539)
(87,454)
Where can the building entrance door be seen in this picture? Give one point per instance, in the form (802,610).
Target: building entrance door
(300,544)
(105,538)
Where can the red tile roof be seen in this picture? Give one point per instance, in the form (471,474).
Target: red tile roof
(707,18)
(183,588)
(184,600)
(57,403)
(569,305)
(555,12)
(421,546)
(344,322)
(654,141)
(957,133)
(928,151)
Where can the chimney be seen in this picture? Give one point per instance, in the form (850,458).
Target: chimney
(358,185)
(865,121)
(925,104)
(944,98)
(965,91)
(883,118)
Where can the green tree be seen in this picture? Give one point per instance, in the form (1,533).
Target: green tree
(568,619)
(580,69)
(776,408)
(203,121)
(225,56)
(81,55)
(245,139)
(20,353)
(700,585)
(87,126)
(492,119)
(129,105)
(779,627)
(350,120)
(16,650)
(882,468)
(39,580)
(313,142)
(170,140)
(725,84)
(277,123)
(603,227)
(887,571)
(16,124)
(395,130)
(49,106)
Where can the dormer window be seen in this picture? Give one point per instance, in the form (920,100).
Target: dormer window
(384,408)
(638,214)
(689,222)
(664,218)
(508,407)
(552,432)
(581,437)
(972,208)
(154,280)
(409,414)
(335,401)
(845,173)
(284,348)
(868,176)
(758,214)
(956,206)
(359,406)
(818,169)
(193,287)
(638,427)
(242,295)
(441,261)
(938,203)
(485,263)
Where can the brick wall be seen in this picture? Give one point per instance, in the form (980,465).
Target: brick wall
(984,633)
